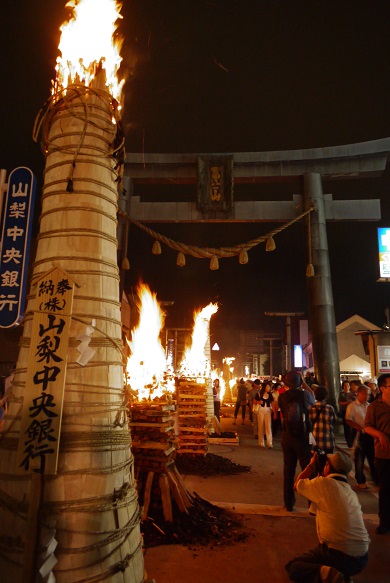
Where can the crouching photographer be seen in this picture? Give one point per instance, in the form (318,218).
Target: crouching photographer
(320,462)
(343,539)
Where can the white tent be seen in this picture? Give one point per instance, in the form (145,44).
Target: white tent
(355,365)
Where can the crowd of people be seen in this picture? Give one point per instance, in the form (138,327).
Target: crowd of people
(298,407)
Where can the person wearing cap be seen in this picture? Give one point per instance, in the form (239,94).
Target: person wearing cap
(377,424)
(343,538)
(375,392)
(364,443)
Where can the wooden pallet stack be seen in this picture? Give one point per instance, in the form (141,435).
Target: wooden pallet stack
(154,450)
(192,417)
(210,407)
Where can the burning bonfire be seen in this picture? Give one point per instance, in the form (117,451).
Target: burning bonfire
(165,431)
(196,363)
(146,368)
(148,372)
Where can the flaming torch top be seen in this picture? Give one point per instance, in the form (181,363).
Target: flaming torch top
(88,44)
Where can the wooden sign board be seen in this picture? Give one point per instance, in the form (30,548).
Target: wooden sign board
(215,183)
(45,379)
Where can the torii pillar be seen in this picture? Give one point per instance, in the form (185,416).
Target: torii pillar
(319,290)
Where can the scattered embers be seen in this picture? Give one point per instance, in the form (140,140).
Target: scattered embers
(204,525)
(209,465)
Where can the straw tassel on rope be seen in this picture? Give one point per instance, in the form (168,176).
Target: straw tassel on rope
(214,263)
(270,244)
(181,259)
(243,257)
(156,249)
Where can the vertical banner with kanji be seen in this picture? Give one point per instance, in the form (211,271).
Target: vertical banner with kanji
(46,370)
(15,245)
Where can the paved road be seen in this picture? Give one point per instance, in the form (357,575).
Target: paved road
(275,535)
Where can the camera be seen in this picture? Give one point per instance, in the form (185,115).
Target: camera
(321,458)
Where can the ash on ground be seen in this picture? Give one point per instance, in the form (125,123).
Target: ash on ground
(208,465)
(204,525)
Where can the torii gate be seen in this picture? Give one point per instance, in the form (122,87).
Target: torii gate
(311,165)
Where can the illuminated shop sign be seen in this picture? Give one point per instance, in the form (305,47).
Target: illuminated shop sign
(384,252)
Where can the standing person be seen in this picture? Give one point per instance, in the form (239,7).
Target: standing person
(276,424)
(323,417)
(294,406)
(345,398)
(254,398)
(375,392)
(343,538)
(354,385)
(252,390)
(377,424)
(364,443)
(217,398)
(241,401)
(264,415)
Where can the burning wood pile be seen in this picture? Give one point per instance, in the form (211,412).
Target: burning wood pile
(153,435)
(192,417)
(160,427)
(154,450)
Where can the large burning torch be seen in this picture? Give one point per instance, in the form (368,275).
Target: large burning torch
(69,504)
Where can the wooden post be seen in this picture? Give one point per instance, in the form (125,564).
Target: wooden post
(165,497)
(147,494)
(32,527)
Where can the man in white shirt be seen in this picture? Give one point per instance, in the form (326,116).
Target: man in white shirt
(364,443)
(343,538)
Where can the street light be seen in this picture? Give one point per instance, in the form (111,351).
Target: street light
(288,316)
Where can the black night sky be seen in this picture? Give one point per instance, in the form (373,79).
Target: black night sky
(229,76)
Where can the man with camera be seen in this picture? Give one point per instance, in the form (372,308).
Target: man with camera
(343,539)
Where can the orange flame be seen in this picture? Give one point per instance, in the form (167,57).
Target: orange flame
(147,362)
(87,44)
(195,361)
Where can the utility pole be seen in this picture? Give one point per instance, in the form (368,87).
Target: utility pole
(288,316)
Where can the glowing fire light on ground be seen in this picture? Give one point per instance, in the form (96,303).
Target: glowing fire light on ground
(88,44)
(195,362)
(147,363)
